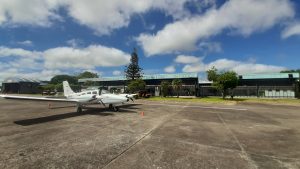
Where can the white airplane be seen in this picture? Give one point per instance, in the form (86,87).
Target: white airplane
(81,98)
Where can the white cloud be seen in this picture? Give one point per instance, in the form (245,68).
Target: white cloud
(257,68)
(74,42)
(202,5)
(39,75)
(210,47)
(238,66)
(29,12)
(196,67)
(242,17)
(187,59)
(117,73)
(25,63)
(101,16)
(42,75)
(291,30)
(5,52)
(85,58)
(25,43)
(105,16)
(46,63)
(170,69)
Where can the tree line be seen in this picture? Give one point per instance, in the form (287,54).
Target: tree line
(55,83)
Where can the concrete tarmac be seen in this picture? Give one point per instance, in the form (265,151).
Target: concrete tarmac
(165,135)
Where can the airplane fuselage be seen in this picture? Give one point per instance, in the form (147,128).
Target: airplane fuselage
(84,97)
(94,97)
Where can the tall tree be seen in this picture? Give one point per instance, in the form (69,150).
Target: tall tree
(133,70)
(58,79)
(177,84)
(223,81)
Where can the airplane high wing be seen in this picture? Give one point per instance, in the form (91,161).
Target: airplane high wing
(81,98)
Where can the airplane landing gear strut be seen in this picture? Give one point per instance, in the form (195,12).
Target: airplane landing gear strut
(79,109)
(112,107)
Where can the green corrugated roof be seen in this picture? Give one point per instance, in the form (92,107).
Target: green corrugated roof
(145,77)
(270,76)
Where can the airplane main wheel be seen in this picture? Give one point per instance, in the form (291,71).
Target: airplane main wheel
(110,106)
(116,109)
(79,109)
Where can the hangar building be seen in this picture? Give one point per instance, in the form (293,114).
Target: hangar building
(189,83)
(20,86)
(270,85)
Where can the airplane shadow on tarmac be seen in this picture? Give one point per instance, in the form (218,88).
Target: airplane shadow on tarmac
(87,111)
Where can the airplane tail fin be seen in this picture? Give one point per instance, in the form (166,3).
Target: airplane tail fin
(67,89)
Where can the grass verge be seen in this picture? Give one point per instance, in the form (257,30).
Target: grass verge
(281,101)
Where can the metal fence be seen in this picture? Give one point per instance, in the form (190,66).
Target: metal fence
(252,91)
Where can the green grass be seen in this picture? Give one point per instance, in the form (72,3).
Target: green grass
(206,99)
(274,101)
(229,101)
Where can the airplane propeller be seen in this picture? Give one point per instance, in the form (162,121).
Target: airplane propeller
(129,98)
(100,101)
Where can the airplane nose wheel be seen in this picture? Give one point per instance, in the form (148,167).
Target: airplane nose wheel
(79,109)
(112,107)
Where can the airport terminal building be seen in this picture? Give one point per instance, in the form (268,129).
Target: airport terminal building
(270,85)
(189,83)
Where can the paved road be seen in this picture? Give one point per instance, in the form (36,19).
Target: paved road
(172,135)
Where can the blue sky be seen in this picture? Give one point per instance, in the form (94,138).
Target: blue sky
(41,38)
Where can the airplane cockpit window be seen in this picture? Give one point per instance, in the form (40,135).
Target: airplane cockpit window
(94,92)
(88,92)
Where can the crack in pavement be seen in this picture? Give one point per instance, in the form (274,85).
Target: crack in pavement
(166,118)
(246,155)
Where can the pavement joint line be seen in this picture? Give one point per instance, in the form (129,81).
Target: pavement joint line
(248,158)
(204,107)
(144,136)
(275,157)
(201,145)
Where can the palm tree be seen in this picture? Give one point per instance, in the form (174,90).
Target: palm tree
(177,84)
